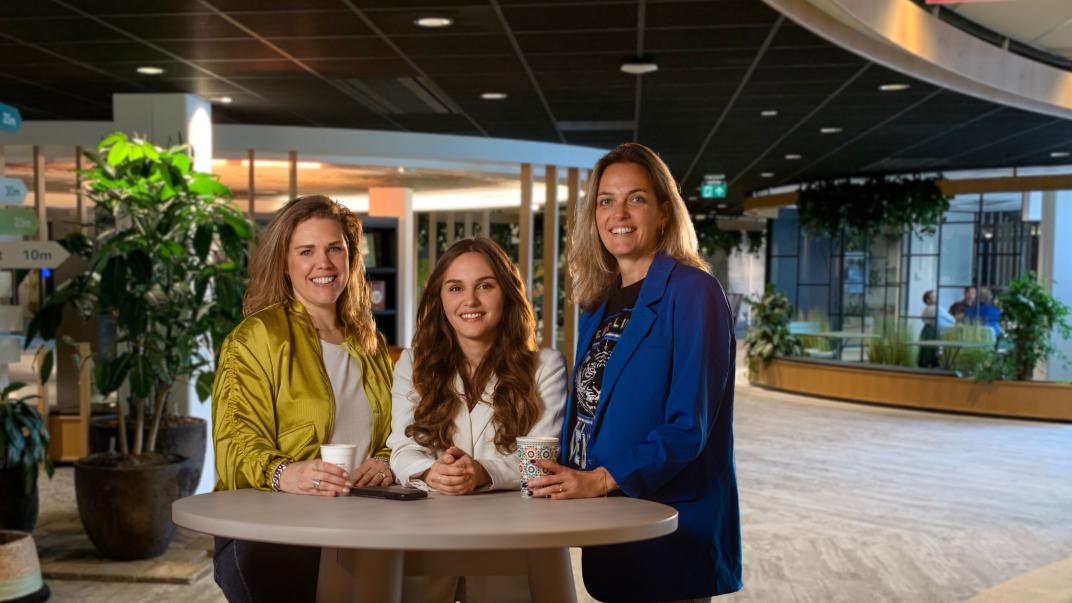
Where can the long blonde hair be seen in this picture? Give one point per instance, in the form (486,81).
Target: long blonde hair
(593,268)
(268,280)
(512,359)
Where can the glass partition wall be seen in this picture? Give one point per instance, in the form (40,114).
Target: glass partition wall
(849,285)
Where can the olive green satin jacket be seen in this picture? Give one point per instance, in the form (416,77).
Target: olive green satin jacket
(272,400)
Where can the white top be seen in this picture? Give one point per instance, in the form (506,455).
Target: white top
(473,430)
(945,319)
(353,414)
(493,521)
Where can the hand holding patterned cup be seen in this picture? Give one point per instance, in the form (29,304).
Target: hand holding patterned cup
(530,450)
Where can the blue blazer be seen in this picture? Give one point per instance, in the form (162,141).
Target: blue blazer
(664,430)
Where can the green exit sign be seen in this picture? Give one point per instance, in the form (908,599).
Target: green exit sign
(713,190)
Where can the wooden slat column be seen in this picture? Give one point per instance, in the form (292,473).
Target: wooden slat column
(550,258)
(524,222)
(293,191)
(569,309)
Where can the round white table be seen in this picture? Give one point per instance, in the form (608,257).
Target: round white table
(369,544)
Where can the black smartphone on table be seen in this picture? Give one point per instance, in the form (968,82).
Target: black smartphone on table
(389,492)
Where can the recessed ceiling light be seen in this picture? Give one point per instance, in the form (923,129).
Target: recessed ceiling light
(893,87)
(693,198)
(434,22)
(714,176)
(768,113)
(721,206)
(223,100)
(766,174)
(1058,154)
(493,95)
(150,70)
(830,130)
(792,156)
(640,66)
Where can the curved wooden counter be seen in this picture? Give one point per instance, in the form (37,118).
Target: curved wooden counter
(912,388)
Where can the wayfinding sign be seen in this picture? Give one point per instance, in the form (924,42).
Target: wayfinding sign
(713,190)
(21,221)
(12,191)
(32,254)
(10,118)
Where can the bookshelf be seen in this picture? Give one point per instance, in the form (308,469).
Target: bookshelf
(380,250)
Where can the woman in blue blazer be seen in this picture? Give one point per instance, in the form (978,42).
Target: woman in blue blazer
(651,413)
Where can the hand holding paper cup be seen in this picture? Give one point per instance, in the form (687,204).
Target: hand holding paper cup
(342,455)
(530,450)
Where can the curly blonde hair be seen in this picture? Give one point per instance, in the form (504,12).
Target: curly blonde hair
(593,268)
(268,282)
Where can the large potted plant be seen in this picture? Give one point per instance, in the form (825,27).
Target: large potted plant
(23,448)
(166,270)
(1029,318)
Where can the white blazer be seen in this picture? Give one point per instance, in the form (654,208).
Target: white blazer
(473,430)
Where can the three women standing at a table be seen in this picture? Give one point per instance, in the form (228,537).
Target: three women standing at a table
(651,411)
(305,367)
(473,382)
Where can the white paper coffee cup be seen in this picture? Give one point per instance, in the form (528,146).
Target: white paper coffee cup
(530,450)
(342,455)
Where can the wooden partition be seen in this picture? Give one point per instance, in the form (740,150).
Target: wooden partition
(919,389)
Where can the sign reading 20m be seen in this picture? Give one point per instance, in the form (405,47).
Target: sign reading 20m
(10,118)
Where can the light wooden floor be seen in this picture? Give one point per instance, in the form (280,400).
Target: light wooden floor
(851,503)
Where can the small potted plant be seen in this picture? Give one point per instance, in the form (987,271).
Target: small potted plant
(23,447)
(769,335)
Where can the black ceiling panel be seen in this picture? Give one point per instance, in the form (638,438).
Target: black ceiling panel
(305,62)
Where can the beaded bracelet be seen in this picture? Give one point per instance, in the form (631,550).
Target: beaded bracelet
(277,473)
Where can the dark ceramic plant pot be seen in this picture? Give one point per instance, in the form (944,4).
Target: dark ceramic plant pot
(125,506)
(18,510)
(184,436)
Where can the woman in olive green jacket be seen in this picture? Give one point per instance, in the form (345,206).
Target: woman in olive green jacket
(306,367)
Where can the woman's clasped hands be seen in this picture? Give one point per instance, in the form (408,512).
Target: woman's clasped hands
(327,479)
(455,472)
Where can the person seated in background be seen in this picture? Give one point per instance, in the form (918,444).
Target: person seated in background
(473,382)
(985,313)
(305,367)
(959,308)
(938,317)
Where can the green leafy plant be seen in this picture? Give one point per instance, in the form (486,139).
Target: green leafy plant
(865,208)
(1029,318)
(768,335)
(969,361)
(166,268)
(23,437)
(892,346)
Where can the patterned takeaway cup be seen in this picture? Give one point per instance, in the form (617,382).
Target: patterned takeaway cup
(530,450)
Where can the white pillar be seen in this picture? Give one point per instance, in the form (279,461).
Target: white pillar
(397,202)
(167,119)
(1055,244)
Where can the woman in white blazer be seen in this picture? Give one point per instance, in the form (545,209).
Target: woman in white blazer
(473,382)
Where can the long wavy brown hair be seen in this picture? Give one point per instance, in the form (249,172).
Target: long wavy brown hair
(512,359)
(268,281)
(593,268)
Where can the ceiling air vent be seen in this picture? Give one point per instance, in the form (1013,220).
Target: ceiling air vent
(596,126)
(399,96)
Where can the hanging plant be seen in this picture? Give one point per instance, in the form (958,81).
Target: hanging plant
(864,208)
(712,238)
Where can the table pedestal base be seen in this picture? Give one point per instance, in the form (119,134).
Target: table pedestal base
(376,575)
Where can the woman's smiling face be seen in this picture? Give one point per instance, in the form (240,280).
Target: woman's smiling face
(318,262)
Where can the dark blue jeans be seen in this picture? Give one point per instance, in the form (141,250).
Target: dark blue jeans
(260,572)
